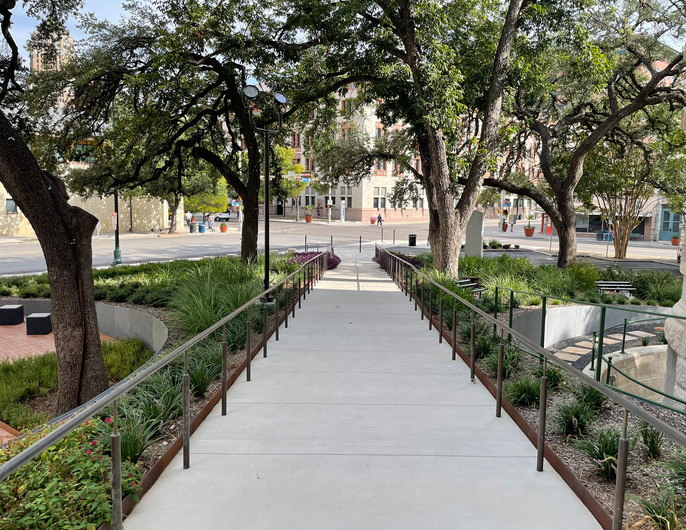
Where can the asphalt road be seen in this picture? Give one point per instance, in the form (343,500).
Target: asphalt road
(21,256)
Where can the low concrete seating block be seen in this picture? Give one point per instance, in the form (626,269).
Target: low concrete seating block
(38,324)
(11,315)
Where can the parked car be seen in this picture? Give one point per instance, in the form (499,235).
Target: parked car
(222,217)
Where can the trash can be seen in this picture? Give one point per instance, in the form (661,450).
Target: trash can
(413,240)
(201,228)
(194,228)
(598,235)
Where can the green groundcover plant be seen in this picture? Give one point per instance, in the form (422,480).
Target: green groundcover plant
(70,483)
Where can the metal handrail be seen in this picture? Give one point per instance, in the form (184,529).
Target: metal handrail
(667,429)
(399,269)
(109,396)
(612,367)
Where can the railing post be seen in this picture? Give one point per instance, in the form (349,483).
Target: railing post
(306,243)
(593,352)
(454,346)
(541,416)
(300,289)
(287,308)
(511,310)
(117,523)
(276,309)
(431,308)
(543,315)
(624,336)
(440,325)
(224,372)
(416,290)
(601,335)
(472,351)
(495,311)
(409,285)
(186,414)
(609,369)
(499,388)
(620,484)
(248,347)
(265,327)
(422,315)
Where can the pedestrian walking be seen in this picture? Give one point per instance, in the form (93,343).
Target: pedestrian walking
(210,220)
(189,218)
(379,220)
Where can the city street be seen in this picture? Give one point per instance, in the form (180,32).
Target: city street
(21,256)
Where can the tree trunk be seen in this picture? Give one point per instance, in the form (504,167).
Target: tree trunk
(64,233)
(445,233)
(564,220)
(250,228)
(175,207)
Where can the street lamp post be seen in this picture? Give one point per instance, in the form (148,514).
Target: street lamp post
(251,93)
(117,250)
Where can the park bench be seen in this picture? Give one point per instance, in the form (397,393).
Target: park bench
(473,284)
(622,287)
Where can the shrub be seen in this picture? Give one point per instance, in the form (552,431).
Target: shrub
(512,358)
(137,432)
(166,391)
(524,392)
(125,356)
(493,243)
(573,418)
(645,341)
(201,373)
(662,509)
(652,440)
(34,498)
(333,262)
(602,450)
(506,246)
(555,375)
(485,345)
(516,246)
(591,397)
(675,468)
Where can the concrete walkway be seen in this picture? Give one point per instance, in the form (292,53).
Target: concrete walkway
(359,419)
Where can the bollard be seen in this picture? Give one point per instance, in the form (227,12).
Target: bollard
(609,369)
(394,236)
(115,439)
(360,244)
(306,243)
(499,389)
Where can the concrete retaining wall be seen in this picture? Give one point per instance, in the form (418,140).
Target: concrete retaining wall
(114,321)
(566,322)
(647,364)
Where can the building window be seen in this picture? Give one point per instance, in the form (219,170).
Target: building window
(10,206)
(295,140)
(379,197)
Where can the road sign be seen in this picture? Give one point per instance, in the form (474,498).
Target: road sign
(305,179)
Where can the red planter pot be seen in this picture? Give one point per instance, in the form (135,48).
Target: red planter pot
(529,231)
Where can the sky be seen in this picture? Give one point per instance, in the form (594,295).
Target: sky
(23,26)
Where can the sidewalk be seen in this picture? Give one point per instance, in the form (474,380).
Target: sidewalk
(359,419)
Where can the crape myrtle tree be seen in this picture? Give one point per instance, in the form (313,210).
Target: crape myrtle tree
(422,65)
(622,173)
(576,93)
(64,231)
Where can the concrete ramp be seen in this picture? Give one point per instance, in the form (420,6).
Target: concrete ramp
(358,419)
